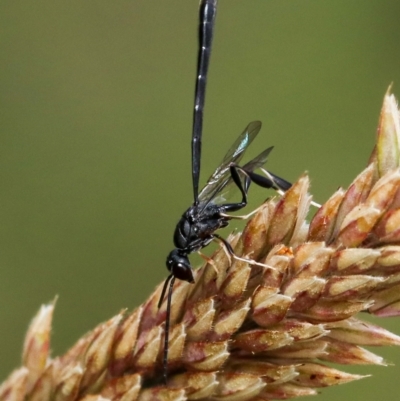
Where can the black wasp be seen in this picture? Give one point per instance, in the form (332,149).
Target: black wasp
(198,225)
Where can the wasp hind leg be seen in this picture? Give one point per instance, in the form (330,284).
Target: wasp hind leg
(243,185)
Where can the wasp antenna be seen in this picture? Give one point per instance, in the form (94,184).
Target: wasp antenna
(171,280)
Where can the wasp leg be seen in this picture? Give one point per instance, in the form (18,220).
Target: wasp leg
(282,184)
(243,188)
(209,260)
(242,217)
(270,181)
(231,252)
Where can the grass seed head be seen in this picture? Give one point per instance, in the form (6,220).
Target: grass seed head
(250,332)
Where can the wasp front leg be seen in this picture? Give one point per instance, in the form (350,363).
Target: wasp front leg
(231,253)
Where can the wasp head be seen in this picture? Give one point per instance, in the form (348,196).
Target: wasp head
(178,264)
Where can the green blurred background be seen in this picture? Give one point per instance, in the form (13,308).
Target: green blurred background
(96,110)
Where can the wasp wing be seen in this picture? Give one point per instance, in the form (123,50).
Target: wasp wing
(269,180)
(221,176)
(258,161)
(224,193)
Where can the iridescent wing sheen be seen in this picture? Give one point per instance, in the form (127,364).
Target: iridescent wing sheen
(221,176)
